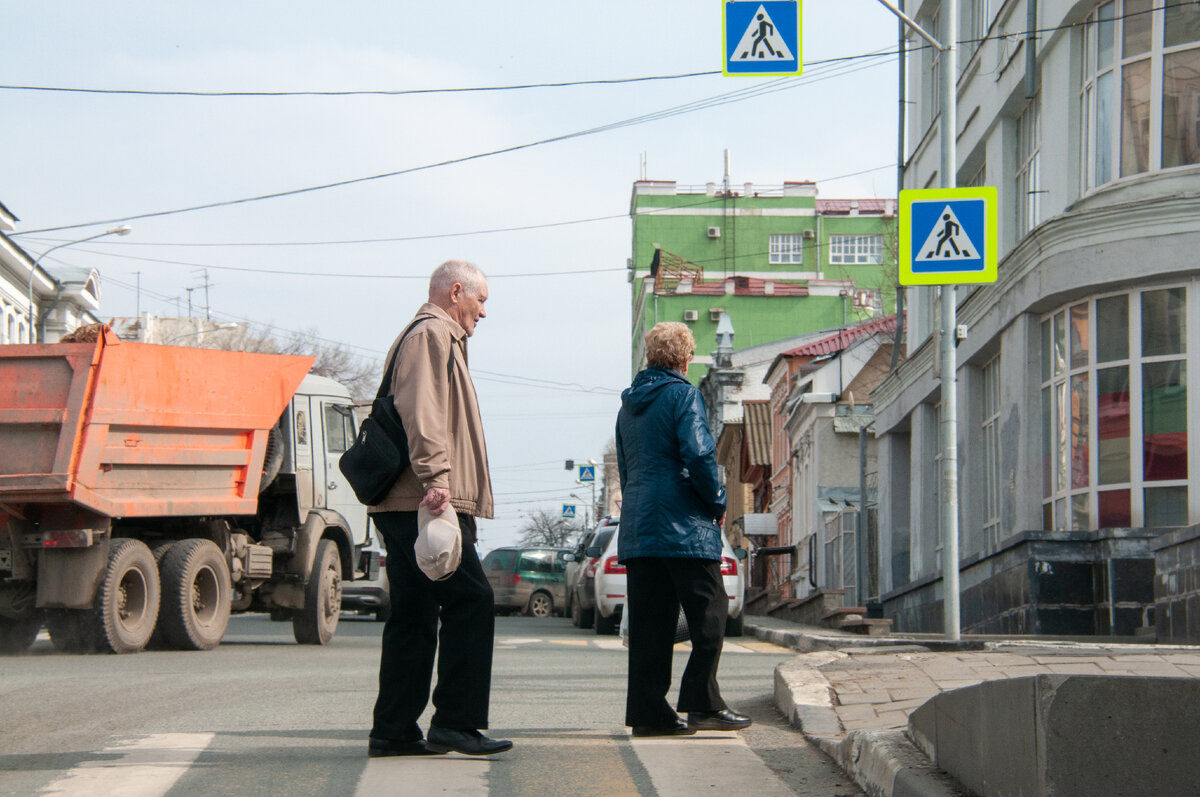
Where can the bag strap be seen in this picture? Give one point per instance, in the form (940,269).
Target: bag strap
(385,385)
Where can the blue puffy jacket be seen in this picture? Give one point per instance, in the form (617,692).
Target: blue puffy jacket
(671,495)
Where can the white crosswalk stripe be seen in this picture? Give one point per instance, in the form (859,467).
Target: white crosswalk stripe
(711,763)
(144,767)
(454,775)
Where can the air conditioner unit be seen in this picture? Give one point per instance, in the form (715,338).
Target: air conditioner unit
(714,232)
(691,315)
(810,234)
(714,313)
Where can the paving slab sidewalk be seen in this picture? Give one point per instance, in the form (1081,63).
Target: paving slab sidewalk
(852,695)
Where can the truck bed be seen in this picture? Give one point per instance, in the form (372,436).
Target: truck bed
(139,430)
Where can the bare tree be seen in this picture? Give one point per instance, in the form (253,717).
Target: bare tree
(333,360)
(543,528)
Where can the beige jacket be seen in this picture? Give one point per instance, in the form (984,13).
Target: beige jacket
(436,399)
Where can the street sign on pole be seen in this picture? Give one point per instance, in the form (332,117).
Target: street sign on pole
(762,37)
(587,474)
(568,511)
(948,236)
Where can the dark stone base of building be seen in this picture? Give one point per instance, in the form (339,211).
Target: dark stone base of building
(1052,583)
(1177,585)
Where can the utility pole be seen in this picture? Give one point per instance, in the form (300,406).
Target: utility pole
(948,421)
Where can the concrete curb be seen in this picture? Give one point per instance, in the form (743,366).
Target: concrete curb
(882,763)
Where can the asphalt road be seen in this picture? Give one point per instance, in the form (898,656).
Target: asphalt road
(262,715)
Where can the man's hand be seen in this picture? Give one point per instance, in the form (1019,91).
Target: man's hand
(436,500)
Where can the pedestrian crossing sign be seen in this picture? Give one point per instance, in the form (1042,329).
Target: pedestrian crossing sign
(762,37)
(587,473)
(948,236)
(568,511)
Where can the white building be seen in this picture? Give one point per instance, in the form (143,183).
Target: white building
(64,297)
(1075,383)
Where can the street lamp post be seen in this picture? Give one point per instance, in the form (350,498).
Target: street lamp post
(948,422)
(122,230)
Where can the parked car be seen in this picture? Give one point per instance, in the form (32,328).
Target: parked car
(609,588)
(530,580)
(583,591)
(577,562)
(370,595)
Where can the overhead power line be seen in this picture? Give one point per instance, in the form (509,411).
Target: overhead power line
(358,92)
(739,95)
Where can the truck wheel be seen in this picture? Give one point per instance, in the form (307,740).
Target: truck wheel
(16,636)
(126,605)
(540,605)
(196,595)
(316,622)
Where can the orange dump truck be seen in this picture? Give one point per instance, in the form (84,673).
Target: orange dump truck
(148,491)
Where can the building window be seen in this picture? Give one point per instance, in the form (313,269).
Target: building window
(934,70)
(1140,98)
(1114,412)
(1029,194)
(788,248)
(855,249)
(978,18)
(991,452)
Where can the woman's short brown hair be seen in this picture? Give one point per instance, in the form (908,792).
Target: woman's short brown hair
(669,345)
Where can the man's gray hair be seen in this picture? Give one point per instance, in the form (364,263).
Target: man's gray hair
(452,271)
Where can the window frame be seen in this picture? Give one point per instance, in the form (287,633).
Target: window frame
(1058,506)
(850,246)
(785,248)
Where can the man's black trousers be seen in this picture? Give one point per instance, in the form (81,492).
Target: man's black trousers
(655,590)
(466,607)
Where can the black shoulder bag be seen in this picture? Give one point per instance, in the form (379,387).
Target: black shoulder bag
(380,452)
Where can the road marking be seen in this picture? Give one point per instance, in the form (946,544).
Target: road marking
(146,767)
(709,762)
(451,774)
(609,644)
(580,642)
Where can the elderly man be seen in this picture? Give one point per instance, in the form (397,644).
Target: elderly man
(436,400)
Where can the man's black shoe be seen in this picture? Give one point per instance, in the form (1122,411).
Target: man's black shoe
(380,748)
(723,720)
(678,728)
(441,740)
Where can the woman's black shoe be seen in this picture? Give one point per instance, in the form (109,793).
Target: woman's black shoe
(380,748)
(678,728)
(723,720)
(441,740)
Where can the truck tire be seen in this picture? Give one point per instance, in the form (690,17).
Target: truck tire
(196,595)
(68,631)
(273,458)
(126,606)
(16,636)
(316,622)
(540,605)
(157,640)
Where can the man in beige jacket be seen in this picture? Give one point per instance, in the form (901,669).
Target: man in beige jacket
(436,400)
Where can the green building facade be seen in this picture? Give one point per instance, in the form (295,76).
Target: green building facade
(778,260)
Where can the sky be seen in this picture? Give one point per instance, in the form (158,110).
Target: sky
(532,184)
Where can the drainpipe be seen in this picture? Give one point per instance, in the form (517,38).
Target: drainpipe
(1031,82)
(901,122)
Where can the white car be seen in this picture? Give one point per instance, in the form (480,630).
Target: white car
(610,588)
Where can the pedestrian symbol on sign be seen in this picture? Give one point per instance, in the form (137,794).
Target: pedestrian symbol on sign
(948,241)
(568,511)
(762,41)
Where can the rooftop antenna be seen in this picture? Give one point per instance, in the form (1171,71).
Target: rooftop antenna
(643,177)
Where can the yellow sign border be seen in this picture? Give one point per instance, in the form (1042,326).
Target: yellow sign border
(990,234)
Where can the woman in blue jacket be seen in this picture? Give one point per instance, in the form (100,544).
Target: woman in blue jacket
(669,540)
